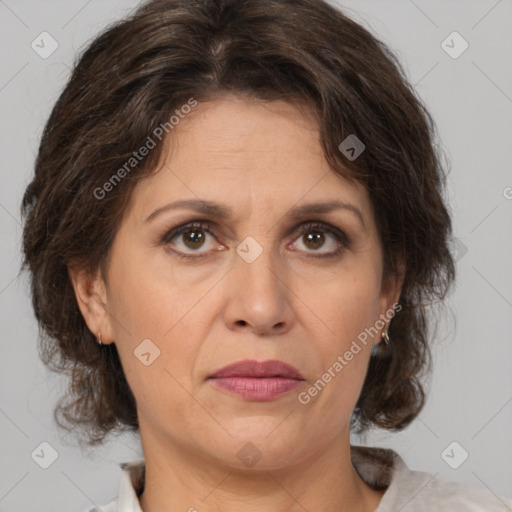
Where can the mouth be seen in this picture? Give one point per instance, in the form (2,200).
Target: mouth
(255,369)
(257,381)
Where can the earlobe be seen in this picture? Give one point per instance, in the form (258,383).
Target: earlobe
(91,297)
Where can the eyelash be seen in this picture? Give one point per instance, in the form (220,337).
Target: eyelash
(341,237)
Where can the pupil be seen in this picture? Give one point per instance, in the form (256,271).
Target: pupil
(196,238)
(315,238)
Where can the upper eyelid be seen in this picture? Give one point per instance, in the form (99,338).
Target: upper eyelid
(343,242)
(211,226)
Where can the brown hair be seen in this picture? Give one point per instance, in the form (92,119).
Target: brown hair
(128,82)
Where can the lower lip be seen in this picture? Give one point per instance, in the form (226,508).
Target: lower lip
(258,389)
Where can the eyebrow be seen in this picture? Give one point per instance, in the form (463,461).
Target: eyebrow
(220,211)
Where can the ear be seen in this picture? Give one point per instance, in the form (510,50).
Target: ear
(91,295)
(391,290)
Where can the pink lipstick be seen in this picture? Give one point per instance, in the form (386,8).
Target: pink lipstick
(257,381)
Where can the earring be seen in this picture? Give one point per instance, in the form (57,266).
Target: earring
(99,339)
(382,349)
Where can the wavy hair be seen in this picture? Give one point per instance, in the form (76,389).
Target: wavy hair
(133,76)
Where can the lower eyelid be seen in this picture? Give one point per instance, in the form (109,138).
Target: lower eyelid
(177,235)
(341,239)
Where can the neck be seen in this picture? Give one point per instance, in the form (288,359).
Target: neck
(177,479)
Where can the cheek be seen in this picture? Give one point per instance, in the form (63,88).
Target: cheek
(343,306)
(151,303)
(162,388)
(142,303)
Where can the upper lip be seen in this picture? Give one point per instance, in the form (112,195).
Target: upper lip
(250,368)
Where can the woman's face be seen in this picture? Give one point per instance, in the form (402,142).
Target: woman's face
(257,289)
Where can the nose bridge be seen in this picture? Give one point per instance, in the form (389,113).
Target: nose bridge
(256,268)
(259,296)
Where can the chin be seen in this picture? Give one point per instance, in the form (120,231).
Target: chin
(262,443)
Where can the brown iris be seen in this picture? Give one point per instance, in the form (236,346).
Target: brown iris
(195,237)
(315,238)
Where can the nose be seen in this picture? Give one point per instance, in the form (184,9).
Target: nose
(258,298)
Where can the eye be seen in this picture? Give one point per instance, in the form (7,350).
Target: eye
(190,237)
(315,236)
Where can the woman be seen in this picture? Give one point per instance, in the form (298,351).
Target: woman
(234,231)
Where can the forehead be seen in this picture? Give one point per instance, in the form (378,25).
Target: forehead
(245,152)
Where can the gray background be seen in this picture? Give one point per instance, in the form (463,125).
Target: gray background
(470,98)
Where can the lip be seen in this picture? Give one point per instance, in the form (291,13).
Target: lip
(257,381)
(251,368)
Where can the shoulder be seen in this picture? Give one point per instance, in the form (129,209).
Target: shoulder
(418,491)
(130,487)
(425,491)
(109,507)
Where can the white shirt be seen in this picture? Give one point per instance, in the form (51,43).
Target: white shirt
(380,468)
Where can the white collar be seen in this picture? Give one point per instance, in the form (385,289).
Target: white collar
(378,467)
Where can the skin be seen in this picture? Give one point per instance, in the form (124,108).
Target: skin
(259,160)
